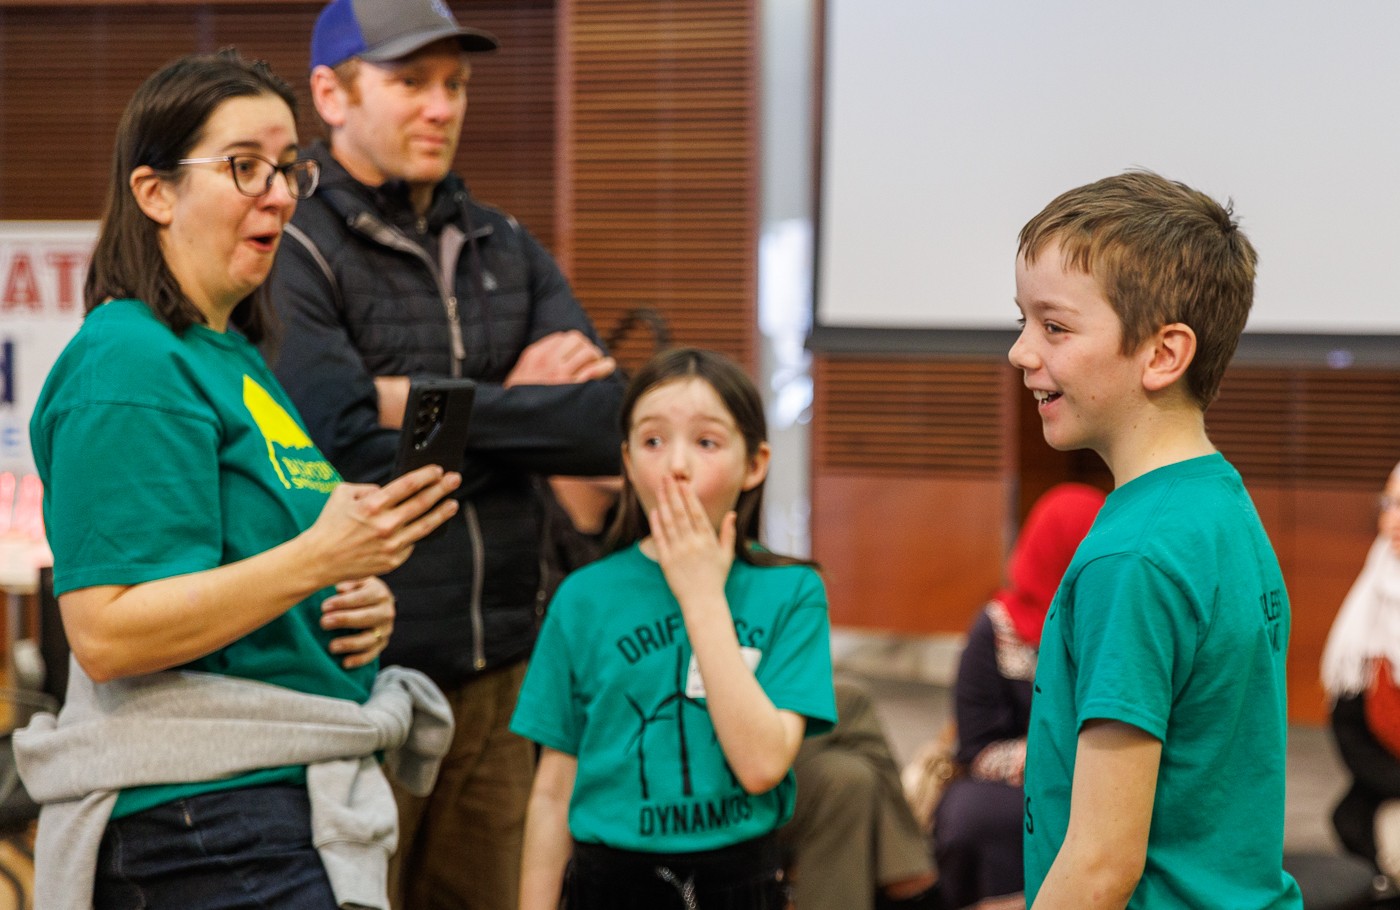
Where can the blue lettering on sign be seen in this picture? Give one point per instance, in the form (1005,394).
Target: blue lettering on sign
(7,372)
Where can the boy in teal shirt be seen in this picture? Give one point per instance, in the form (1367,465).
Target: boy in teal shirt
(1155,766)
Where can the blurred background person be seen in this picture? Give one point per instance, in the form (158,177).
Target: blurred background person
(1358,666)
(853,840)
(979,821)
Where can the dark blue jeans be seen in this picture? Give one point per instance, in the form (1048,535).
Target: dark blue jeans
(245,849)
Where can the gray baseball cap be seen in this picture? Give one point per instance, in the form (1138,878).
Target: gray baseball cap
(383,30)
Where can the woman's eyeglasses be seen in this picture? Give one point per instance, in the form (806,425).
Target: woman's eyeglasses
(253,174)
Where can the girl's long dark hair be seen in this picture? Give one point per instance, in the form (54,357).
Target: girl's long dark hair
(162,122)
(739,396)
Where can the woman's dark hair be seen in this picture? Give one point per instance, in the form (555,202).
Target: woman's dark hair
(741,399)
(162,122)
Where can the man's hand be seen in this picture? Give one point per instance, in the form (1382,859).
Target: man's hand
(393,400)
(562,358)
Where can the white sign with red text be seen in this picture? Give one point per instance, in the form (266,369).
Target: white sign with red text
(43,265)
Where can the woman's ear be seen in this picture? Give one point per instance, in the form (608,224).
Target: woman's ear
(1172,350)
(758,466)
(153,194)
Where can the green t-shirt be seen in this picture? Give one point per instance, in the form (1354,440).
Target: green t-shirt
(165,454)
(612,681)
(1173,617)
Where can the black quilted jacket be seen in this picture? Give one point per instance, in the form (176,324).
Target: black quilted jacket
(359,297)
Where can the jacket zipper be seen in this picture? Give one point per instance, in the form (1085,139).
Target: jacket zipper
(478,582)
(540,601)
(389,236)
(454,327)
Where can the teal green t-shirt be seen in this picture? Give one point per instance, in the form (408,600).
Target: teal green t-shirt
(165,454)
(1173,617)
(612,682)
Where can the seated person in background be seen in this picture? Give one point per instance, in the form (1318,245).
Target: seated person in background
(1366,633)
(853,839)
(978,824)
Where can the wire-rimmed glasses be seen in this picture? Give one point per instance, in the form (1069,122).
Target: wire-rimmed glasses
(253,174)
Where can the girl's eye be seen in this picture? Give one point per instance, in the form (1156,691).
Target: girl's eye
(707,442)
(1020,322)
(1053,329)
(651,442)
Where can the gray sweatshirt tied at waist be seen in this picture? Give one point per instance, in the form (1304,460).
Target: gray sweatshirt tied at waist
(180,727)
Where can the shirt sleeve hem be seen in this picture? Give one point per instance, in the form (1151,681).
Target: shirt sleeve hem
(820,717)
(120,574)
(548,738)
(1132,715)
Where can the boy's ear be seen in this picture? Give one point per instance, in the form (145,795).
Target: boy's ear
(758,466)
(1171,351)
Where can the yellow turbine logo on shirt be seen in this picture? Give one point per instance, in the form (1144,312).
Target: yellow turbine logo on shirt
(294,457)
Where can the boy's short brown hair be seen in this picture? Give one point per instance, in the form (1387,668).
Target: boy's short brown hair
(1162,253)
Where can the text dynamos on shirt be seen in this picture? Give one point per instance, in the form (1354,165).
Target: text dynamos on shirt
(694,817)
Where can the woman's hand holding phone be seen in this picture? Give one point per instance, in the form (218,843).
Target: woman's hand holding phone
(370,530)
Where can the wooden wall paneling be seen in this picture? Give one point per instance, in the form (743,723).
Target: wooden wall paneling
(1321,554)
(663,147)
(1314,447)
(1038,466)
(1309,425)
(911,481)
(509,145)
(1321,535)
(901,414)
(98,4)
(918,554)
(67,72)
(65,76)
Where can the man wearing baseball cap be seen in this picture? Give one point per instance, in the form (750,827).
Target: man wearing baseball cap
(393,270)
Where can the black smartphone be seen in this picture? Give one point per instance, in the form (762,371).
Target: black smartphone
(435,424)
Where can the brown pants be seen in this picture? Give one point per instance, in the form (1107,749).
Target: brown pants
(851,831)
(459,848)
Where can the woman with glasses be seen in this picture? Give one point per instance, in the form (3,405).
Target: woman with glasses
(1362,657)
(194,525)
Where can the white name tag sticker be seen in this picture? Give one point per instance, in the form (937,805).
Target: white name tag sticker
(695,684)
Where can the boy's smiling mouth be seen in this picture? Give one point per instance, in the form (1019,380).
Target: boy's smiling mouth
(1043,397)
